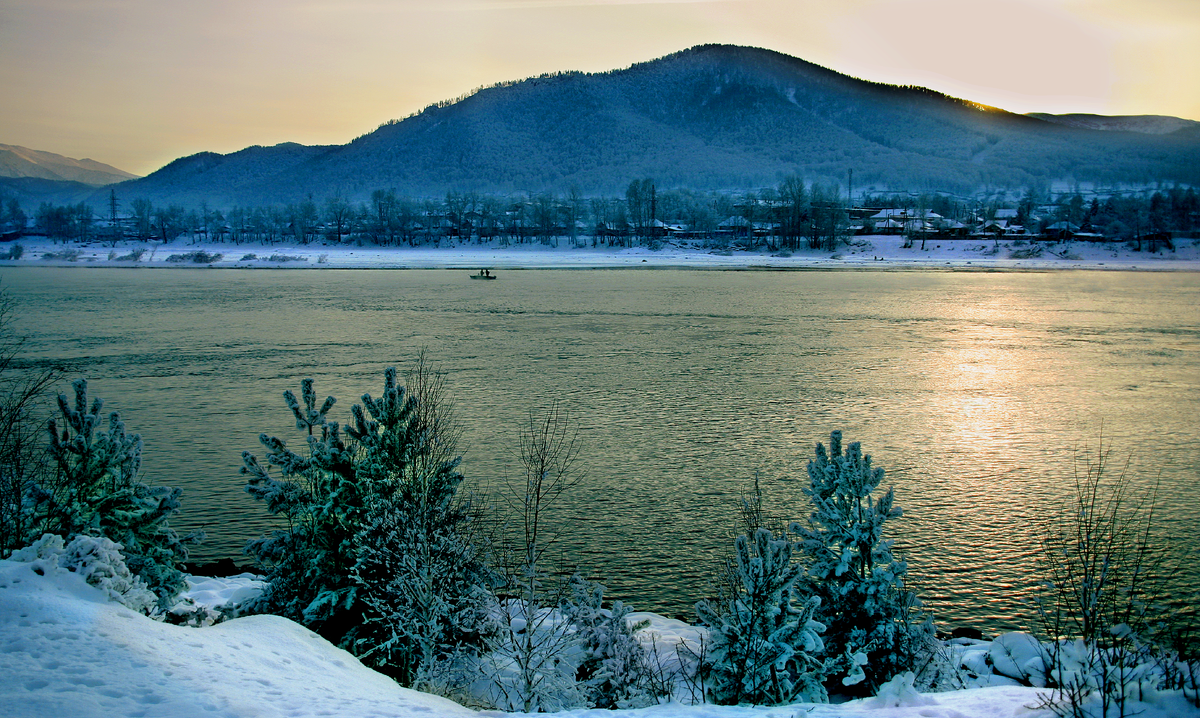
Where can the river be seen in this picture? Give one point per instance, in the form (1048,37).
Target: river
(971,389)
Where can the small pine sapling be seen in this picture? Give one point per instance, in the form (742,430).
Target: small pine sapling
(868,611)
(613,672)
(95,491)
(764,640)
(308,561)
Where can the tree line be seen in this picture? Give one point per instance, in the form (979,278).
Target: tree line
(790,216)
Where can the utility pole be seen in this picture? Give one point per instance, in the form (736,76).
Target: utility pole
(113,227)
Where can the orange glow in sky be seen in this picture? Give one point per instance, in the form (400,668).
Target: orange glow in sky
(138,83)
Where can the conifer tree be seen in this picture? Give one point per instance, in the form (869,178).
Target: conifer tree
(95,491)
(613,672)
(869,613)
(765,639)
(376,554)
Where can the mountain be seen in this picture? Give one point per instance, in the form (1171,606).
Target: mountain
(1147,124)
(16,161)
(711,117)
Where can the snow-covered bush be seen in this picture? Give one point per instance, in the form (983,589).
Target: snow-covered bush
(533,660)
(899,692)
(376,555)
(535,655)
(764,641)
(614,672)
(1104,605)
(865,606)
(94,490)
(97,560)
(1021,657)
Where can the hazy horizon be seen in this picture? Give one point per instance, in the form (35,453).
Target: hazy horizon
(136,84)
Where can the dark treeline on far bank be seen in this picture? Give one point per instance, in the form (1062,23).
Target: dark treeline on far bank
(792,216)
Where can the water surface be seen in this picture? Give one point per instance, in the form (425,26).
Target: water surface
(970,389)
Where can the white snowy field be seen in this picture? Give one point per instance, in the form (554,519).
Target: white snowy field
(872,252)
(66,651)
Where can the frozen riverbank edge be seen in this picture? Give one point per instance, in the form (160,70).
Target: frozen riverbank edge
(68,650)
(875,253)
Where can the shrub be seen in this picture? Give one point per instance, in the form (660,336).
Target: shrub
(23,461)
(286,258)
(14,252)
(94,490)
(534,656)
(67,255)
(1104,603)
(198,257)
(376,555)
(868,611)
(134,255)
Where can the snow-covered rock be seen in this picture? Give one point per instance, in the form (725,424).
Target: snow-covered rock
(1021,657)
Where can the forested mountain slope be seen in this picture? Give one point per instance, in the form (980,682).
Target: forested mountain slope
(711,117)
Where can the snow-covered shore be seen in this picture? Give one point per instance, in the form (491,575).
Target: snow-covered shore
(872,252)
(66,649)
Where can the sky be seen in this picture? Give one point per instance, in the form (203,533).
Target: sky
(138,83)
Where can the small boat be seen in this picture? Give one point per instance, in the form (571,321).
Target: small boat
(483,274)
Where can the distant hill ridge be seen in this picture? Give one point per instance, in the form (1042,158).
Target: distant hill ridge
(17,161)
(711,117)
(1147,124)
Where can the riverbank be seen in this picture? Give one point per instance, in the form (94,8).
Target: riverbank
(871,252)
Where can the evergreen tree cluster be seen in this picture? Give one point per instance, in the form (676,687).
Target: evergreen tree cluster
(824,611)
(375,554)
(92,488)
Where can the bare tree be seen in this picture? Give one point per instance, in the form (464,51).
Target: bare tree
(1106,573)
(22,435)
(533,641)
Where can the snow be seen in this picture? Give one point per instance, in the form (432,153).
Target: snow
(67,650)
(870,252)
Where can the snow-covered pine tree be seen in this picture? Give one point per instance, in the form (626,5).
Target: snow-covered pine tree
(865,605)
(764,641)
(613,672)
(375,555)
(95,491)
(308,562)
(416,568)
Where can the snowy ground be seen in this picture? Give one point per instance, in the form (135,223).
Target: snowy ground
(875,252)
(66,651)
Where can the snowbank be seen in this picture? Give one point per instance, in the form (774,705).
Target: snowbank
(874,252)
(66,650)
